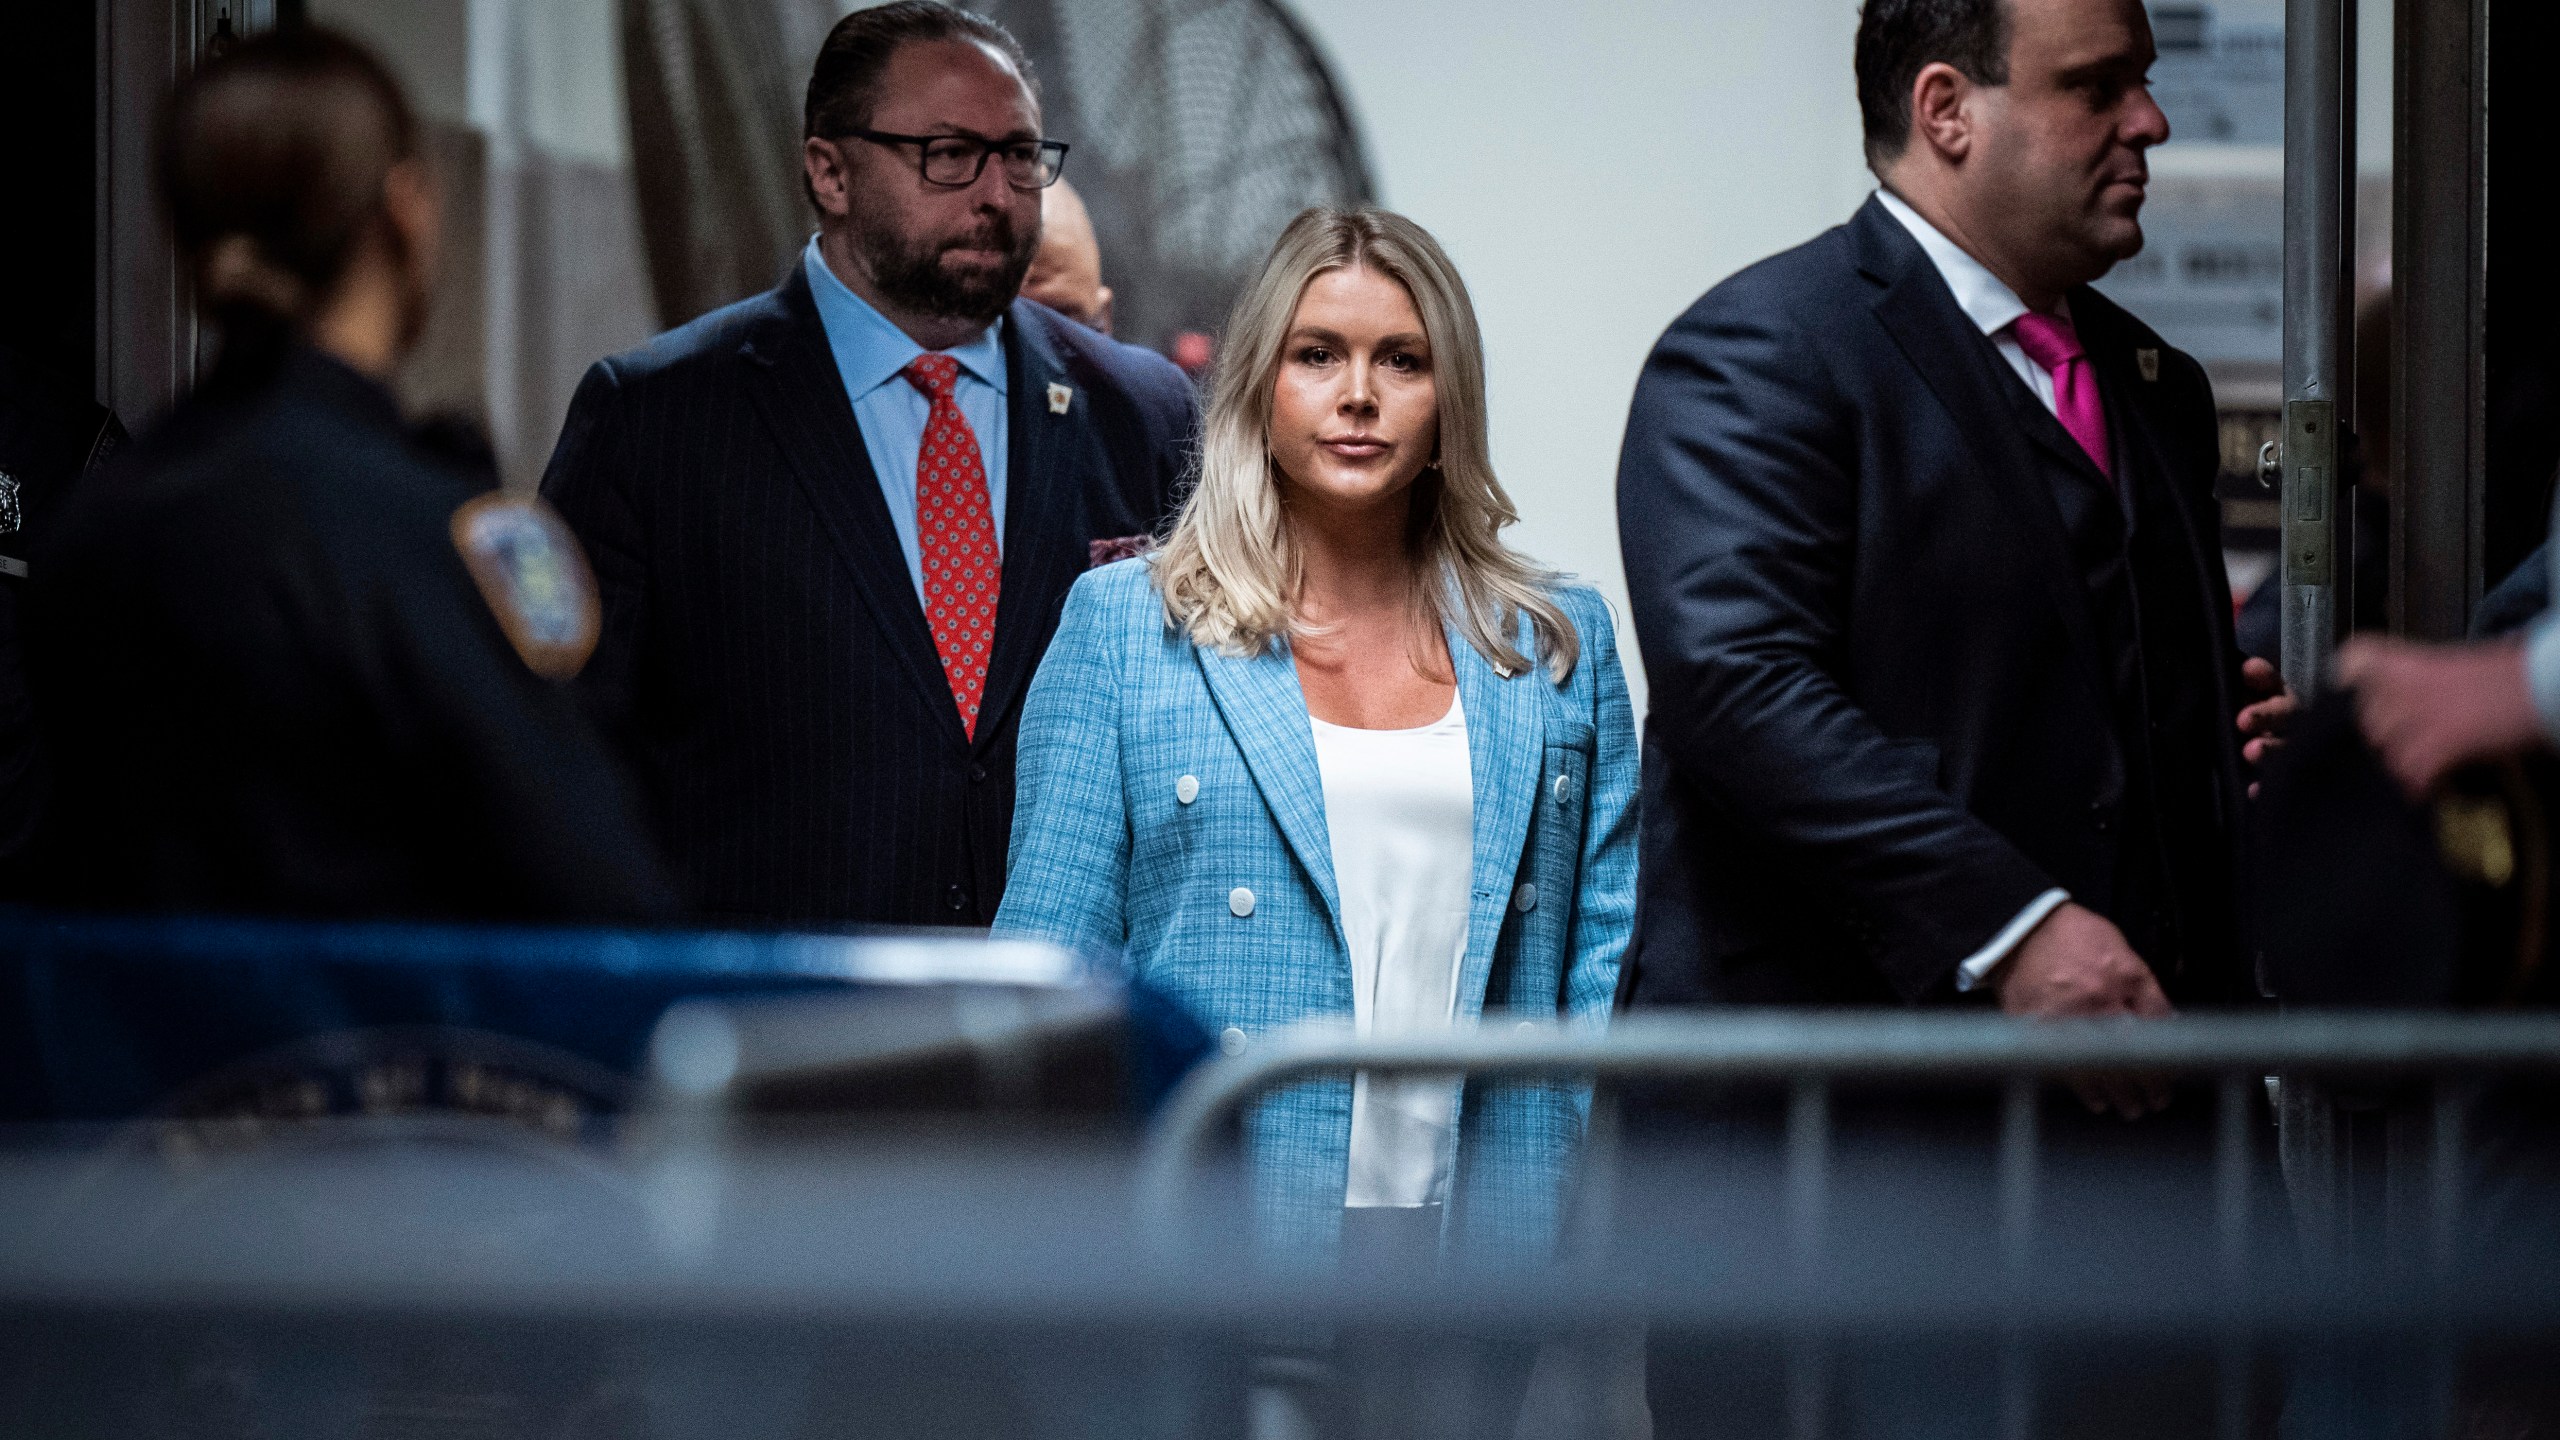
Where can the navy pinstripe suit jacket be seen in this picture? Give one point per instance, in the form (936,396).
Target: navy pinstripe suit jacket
(765,663)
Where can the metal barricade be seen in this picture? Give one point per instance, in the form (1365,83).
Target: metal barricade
(1811,1051)
(1814,1055)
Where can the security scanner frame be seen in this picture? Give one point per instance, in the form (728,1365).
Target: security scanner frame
(2352,1161)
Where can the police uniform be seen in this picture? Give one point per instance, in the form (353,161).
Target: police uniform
(50,435)
(290,657)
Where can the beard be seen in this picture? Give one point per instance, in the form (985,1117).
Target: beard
(912,275)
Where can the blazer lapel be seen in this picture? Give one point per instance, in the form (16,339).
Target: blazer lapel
(2134,420)
(2140,420)
(803,400)
(1506,741)
(2044,431)
(1958,366)
(1266,712)
(1044,548)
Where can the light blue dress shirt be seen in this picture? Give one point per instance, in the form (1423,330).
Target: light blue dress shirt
(870,354)
(2542,655)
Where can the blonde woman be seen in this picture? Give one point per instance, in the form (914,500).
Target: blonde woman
(1335,751)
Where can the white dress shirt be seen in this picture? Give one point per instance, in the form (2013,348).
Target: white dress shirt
(1994,309)
(1399,807)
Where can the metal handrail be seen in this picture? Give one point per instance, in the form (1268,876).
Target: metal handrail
(1784,1045)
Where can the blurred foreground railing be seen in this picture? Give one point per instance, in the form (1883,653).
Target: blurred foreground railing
(1810,1052)
(2026,1301)
(872,1185)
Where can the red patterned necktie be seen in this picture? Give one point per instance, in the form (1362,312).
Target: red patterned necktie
(956,532)
(2052,343)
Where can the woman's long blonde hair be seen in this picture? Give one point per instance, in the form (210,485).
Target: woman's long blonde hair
(1230,569)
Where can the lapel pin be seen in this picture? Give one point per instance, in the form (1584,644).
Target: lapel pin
(2148,362)
(1060,396)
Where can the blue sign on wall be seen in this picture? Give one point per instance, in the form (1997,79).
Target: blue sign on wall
(2210,277)
(2220,75)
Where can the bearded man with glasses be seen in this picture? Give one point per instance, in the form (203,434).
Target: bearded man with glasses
(834,524)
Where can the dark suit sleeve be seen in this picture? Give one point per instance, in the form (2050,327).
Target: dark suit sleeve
(1159,415)
(1179,451)
(589,482)
(1738,516)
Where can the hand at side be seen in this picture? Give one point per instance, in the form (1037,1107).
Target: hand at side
(2076,964)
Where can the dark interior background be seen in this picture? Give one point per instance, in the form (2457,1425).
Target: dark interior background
(48,109)
(2523,284)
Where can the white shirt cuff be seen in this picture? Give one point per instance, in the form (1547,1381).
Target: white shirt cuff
(2542,671)
(1978,966)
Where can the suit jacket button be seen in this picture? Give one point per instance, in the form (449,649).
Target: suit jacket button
(1525,899)
(1564,789)
(955,899)
(1232,1040)
(977,774)
(1187,789)
(1240,902)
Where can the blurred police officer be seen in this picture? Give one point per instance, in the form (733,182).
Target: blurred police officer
(288,654)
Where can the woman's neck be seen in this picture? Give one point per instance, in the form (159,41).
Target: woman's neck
(1365,666)
(1352,564)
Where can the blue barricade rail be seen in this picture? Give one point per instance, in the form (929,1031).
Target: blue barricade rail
(109,1018)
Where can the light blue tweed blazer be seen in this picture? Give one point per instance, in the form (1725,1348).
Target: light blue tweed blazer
(1109,857)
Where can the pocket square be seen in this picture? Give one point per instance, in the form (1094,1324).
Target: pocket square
(1120,547)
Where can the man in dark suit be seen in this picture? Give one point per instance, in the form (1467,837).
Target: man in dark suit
(1921,539)
(834,524)
(1927,571)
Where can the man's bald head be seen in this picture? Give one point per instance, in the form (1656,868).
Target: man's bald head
(1066,274)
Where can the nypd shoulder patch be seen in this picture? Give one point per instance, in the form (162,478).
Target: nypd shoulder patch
(535,578)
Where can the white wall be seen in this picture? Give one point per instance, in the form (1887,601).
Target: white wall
(1593,168)
(543,270)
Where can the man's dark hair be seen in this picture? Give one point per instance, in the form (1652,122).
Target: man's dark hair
(272,163)
(1897,39)
(844,86)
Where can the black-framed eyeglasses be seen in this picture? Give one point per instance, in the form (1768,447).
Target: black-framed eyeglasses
(956,161)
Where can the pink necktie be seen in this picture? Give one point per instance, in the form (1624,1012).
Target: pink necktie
(956,533)
(2050,341)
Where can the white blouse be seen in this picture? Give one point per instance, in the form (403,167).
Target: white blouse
(1399,806)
